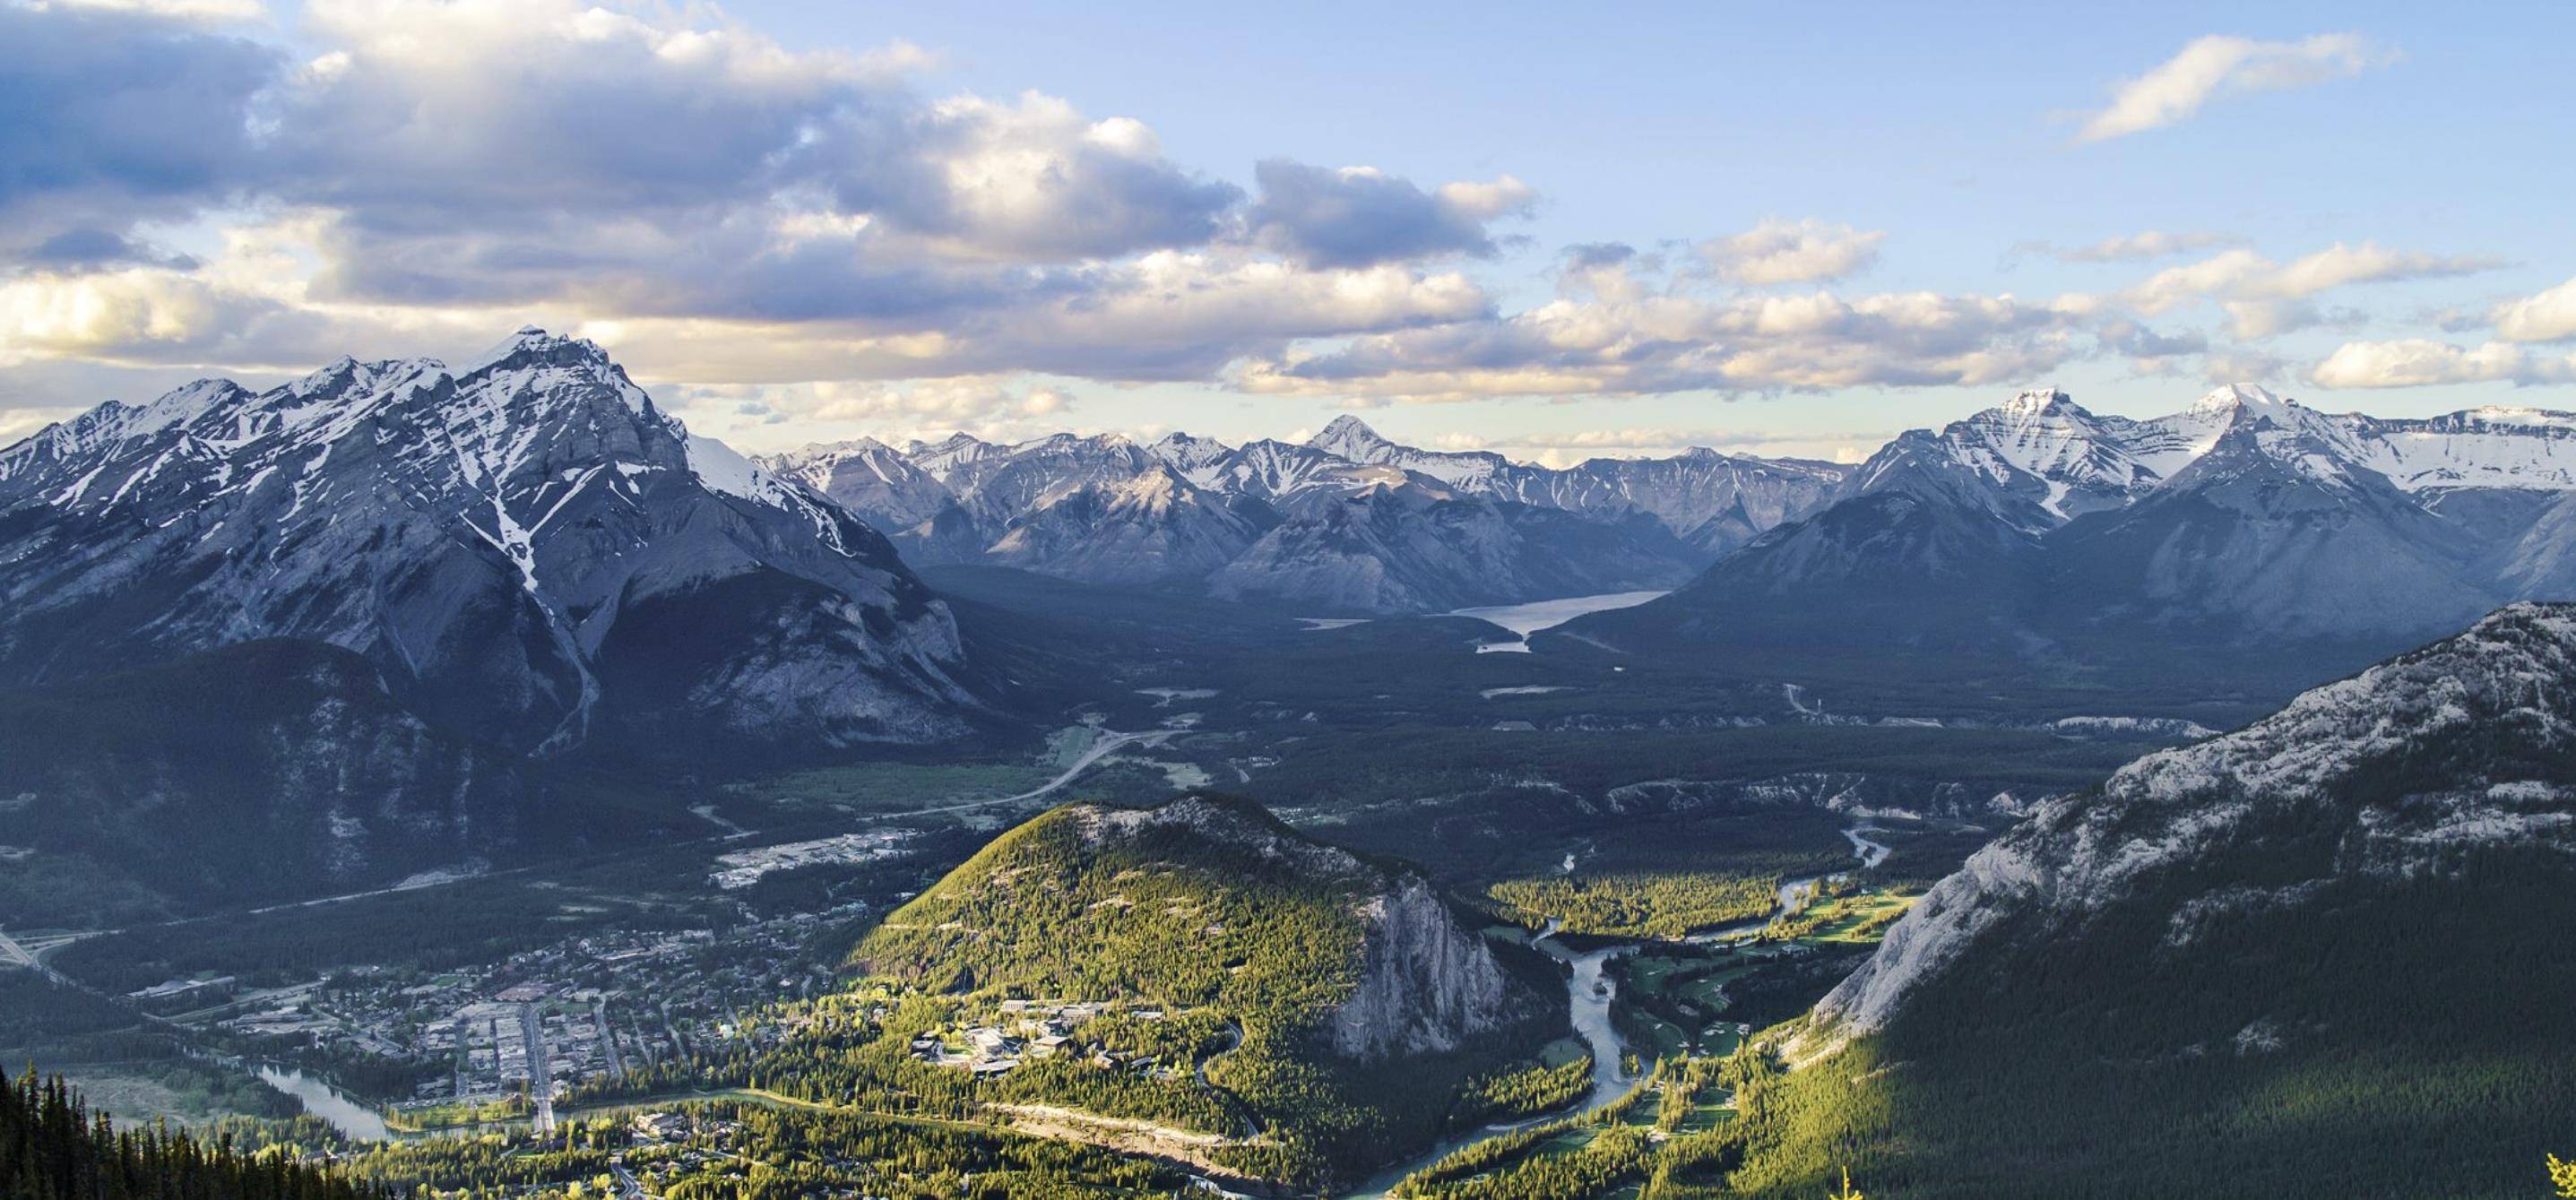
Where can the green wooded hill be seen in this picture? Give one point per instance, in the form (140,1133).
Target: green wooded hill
(2324,956)
(1321,1010)
(53,1148)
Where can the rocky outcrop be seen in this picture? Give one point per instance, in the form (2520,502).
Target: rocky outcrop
(1427,983)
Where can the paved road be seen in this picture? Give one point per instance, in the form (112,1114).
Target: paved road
(607,1036)
(541,1080)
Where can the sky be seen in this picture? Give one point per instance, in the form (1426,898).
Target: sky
(1770,229)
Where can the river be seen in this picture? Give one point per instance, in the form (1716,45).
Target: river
(356,1120)
(1588,992)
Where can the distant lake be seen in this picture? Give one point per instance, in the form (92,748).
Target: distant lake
(1526,619)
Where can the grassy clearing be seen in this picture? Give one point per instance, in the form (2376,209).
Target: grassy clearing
(891,787)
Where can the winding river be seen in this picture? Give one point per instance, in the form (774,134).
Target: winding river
(357,1121)
(1588,992)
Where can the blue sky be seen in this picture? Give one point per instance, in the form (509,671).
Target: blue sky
(2351,200)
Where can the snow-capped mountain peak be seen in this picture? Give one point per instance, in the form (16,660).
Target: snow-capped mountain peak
(479,534)
(1351,438)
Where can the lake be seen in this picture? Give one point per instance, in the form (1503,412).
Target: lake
(1526,619)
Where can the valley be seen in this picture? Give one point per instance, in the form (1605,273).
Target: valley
(1510,875)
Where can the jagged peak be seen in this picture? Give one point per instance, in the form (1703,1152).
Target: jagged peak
(2037,401)
(1347,433)
(2242,396)
(530,342)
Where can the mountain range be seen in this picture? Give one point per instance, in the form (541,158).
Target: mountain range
(2038,536)
(1344,523)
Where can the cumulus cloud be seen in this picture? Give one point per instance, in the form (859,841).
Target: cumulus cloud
(771,212)
(1615,331)
(1360,216)
(2219,66)
(2423,362)
(118,117)
(1778,251)
(2264,298)
(2547,317)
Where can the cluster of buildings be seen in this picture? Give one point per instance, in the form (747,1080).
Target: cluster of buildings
(1031,1029)
(743,868)
(542,1020)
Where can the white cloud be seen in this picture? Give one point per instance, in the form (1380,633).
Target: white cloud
(2547,317)
(2153,243)
(1616,332)
(2423,362)
(2264,298)
(2218,66)
(1779,251)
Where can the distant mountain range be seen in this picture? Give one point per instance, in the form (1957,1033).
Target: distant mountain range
(535,557)
(1346,522)
(2043,536)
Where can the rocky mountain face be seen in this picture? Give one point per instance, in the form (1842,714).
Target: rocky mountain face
(2360,897)
(1412,549)
(524,546)
(1346,522)
(2038,531)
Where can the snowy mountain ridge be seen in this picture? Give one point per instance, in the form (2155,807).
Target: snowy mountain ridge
(484,534)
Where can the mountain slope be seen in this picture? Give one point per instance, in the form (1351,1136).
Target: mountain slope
(1351,1000)
(262,772)
(1152,527)
(1410,549)
(2318,956)
(496,538)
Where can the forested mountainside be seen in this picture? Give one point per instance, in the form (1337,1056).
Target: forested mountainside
(52,1147)
(2318,956)
(1319,1007)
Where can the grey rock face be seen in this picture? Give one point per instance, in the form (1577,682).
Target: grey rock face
(1413,550)
(1429,984)
(493,537)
